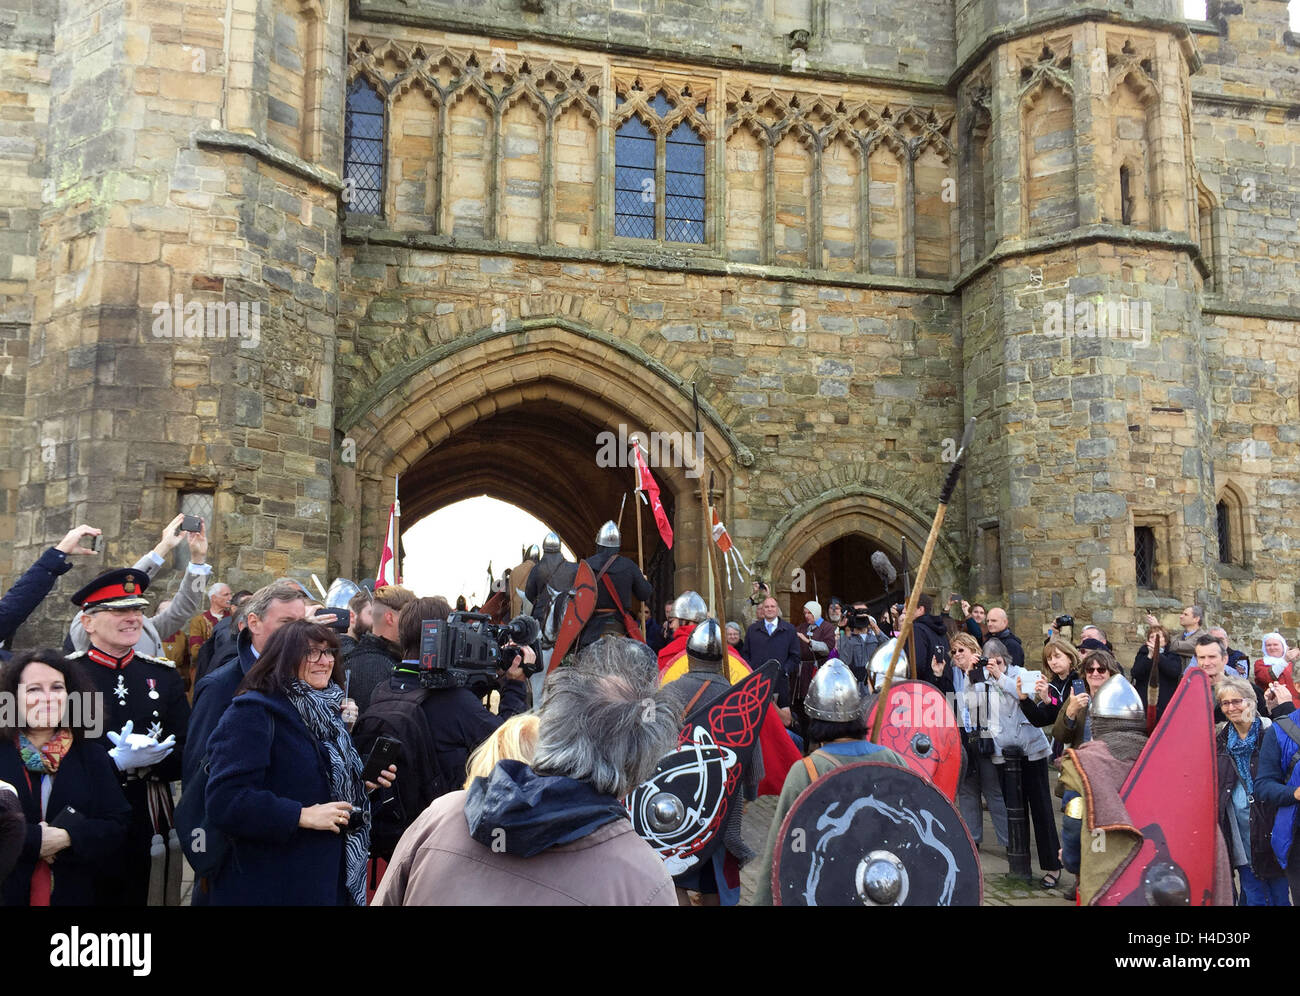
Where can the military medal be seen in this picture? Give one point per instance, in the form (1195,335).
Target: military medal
(153,687)
(155,729)
(120,691)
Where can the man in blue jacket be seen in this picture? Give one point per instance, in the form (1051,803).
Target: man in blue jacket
(30,590)
(1277,781)
(771,638)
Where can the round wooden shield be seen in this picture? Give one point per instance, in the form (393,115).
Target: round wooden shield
(921,727)
(874,834)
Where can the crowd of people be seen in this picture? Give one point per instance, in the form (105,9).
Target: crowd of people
(293,753)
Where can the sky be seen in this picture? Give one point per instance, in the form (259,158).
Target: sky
(447,553)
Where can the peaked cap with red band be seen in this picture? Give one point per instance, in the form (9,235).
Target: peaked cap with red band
(120,589)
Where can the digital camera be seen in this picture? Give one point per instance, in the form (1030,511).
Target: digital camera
(467,649)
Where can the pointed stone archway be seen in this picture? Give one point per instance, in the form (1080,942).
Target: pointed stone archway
(515,412)
(865,513)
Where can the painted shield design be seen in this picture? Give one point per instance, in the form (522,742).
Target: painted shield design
(681,809)
(873,834)
(920,727)
(1174,805)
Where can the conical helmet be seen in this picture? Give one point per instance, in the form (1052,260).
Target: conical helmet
(533,553)
(551,543)
(1117,699)
(689,607)
(833,695)
(609,536)
(705,648)
(880,662)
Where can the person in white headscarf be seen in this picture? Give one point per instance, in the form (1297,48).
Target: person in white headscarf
(1277,664)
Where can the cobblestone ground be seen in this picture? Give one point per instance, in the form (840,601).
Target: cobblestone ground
(1000,889)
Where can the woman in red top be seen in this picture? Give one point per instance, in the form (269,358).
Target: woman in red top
(1277,664)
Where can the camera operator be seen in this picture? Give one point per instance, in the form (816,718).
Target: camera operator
(862,642)
(458,720)
(931,641)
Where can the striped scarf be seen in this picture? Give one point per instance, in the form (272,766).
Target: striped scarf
(320,711)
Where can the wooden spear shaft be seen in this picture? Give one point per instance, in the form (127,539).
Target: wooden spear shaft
(948,487)
(719,607)
(640,555)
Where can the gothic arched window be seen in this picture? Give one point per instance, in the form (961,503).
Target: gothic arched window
(634,180)
(684,185)
(363,149)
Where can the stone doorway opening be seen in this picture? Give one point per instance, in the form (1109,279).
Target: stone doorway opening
(843,569)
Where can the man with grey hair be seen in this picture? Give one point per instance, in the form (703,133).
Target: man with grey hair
(553,833)
(202,625)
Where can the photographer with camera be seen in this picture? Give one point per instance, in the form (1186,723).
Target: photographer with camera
(454,713)
(1157,668)
(285,783)
(860,645)
(980,774)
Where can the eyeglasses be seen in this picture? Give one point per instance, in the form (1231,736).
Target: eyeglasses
(1103,669)
(314,656)
(1232,703)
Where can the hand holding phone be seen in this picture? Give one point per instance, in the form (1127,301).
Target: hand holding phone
(190,524)
(382,754)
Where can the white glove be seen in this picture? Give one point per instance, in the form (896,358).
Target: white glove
(135,750)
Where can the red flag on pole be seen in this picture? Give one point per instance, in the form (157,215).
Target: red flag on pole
(645,482)
(387,573)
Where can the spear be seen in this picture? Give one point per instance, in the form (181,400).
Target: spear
(706,520)
(949,486)
(907,594)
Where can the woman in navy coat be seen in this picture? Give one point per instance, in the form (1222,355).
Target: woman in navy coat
(76,815)
(284,781)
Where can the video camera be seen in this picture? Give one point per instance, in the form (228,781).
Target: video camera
(467,649)
(859,618)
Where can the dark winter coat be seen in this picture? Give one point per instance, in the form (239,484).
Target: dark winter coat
(87,782)
(212,697)
(1262,860)
(369,666)
(783,645)
(13,831)
(459,722)
(1170,668)
(220,647)
(930,637)
(266,767)
(1274,787)
(30,590)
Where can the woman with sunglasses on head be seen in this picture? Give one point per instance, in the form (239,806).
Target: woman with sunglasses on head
(1073,726)
(1246,821)
(285,782)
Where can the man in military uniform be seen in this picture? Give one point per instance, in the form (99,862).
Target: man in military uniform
(613,612)
(146,718)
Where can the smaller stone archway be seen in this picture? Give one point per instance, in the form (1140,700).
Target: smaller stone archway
(827,529)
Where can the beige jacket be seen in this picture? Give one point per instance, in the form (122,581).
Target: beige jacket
(437,863)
